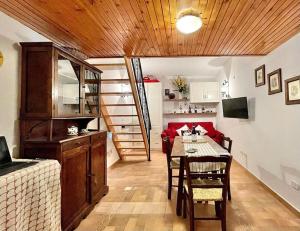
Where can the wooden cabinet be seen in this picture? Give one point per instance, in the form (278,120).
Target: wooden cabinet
(83,174)
(91,106)
(98,158)
(60,91)
(75,185)
(204,92)
(55,84)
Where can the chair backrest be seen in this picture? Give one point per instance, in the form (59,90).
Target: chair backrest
(228,145)
(167,143)
(206,178)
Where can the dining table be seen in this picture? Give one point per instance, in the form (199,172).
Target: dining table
(201,146)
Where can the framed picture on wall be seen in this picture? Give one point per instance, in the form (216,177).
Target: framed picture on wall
(167,92)
(260,76)
(1,59)
(275,82)
(292,90)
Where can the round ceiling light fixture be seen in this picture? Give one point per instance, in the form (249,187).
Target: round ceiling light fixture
(188,22)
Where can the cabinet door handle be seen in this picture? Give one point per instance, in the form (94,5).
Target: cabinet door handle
(90,175)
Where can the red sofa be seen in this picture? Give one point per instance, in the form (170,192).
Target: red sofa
(208,126)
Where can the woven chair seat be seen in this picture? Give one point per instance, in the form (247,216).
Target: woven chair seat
(222,166)
(206,194)
(175,163)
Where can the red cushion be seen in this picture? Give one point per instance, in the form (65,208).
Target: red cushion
(168,131)
(174,132)
(208,126)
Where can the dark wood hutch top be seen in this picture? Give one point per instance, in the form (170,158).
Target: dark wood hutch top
(61,49)
(56,84)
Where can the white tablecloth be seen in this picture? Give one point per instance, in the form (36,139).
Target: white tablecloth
(30,198)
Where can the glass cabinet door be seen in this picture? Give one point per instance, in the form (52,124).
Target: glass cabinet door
(68,87)
(91,89)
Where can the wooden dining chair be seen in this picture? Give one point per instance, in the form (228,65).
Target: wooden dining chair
(206,186)
(227,144)
(172,163)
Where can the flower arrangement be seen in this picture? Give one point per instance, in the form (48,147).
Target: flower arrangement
(181,85)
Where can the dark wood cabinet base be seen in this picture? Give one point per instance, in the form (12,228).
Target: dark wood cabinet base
(83,172)
(76,221)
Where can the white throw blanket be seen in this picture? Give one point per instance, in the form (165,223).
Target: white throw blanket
(30,198)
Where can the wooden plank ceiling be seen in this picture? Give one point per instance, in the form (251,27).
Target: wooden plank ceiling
(109,28)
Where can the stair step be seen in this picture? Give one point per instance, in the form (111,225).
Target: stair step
(92,81)
(129,141)
(109,64)
(120,115)
(132,148)
(116,93)
(118,105)
(127,133)
(114,81)
(91,94)
(132,125)
(132,152)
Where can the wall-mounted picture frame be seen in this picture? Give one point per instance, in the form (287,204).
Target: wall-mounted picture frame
(167,92)
(292,90)
(260,76)
(1,58)
(274,82)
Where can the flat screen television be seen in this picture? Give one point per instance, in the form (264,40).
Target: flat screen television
(235,108)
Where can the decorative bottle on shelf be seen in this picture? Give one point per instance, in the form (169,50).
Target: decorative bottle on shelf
(194,129)
(194,133)
(190,109)
(195,109)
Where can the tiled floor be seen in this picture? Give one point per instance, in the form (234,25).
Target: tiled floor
(137,201)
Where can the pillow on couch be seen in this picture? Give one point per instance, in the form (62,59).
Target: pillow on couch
(183,128)
(201,129)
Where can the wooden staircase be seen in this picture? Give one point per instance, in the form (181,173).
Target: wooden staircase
(121,110)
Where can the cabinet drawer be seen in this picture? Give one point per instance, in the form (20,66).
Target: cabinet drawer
(75,143)
(99,138)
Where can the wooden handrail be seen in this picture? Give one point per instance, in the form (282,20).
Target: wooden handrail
(133,84)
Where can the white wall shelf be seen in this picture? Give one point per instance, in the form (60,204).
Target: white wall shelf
(191,114)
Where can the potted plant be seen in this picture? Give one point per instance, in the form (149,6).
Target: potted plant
(181,86)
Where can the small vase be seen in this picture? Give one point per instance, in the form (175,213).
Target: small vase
(171,96)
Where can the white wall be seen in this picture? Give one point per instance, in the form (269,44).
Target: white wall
(11,33)
(194,69)
(9,93)
(268,143)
